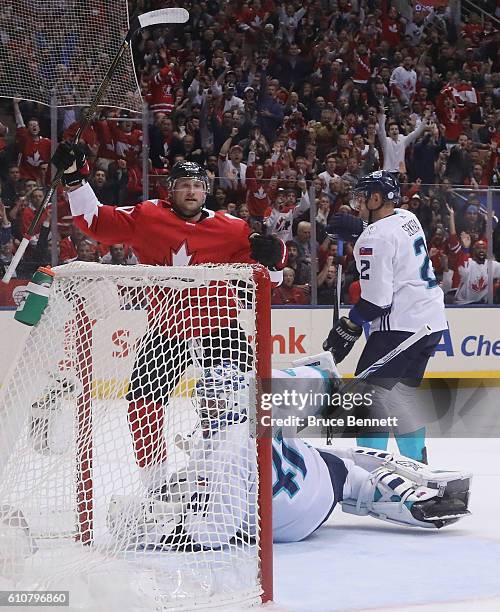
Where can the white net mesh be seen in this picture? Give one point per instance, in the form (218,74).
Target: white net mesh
(65,47)
(110,463)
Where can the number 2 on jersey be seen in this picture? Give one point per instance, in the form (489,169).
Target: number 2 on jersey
(365,266)
(426,273)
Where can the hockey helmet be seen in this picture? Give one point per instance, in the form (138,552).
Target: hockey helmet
(382,182)
(187,169)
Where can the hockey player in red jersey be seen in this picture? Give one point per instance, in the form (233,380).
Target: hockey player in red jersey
(177,232)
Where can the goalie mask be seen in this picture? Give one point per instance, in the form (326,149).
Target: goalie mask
(221,397)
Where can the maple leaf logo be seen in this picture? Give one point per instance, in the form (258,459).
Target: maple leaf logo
(35,160)
(181,256)
(479,285)
(260,194)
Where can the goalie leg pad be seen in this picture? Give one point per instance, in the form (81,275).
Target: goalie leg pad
(404,491)
(136,523)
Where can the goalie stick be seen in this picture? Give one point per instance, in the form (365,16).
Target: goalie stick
(137,22)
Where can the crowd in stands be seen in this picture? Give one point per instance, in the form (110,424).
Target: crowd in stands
(284,103)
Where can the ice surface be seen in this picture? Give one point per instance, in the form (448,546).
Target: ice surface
(358,563)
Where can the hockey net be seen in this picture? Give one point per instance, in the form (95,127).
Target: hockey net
(100,407)
(59,48)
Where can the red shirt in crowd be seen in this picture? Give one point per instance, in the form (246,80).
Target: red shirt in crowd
(259,192)
(33,152)
(289,295)
(160,96)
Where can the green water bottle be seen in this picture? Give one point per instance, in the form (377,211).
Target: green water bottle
(30,310)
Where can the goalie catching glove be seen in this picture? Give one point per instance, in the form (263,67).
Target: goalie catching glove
(341,338)
(71,158)
(267,250)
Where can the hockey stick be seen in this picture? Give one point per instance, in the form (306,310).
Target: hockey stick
(338,280)
(337,287)
(137,22)
(410,341)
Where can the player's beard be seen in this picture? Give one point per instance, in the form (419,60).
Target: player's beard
(183,214)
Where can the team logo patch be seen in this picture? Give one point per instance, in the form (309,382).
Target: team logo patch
(366,251)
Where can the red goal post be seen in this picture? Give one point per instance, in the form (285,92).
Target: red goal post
(73,443)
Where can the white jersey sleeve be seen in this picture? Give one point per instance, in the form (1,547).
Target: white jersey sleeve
(395,273)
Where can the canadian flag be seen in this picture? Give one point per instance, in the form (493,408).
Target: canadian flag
(462,93)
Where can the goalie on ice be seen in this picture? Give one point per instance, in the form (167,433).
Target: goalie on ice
(212,502)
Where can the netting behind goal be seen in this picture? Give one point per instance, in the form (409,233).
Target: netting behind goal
(65,47)
(123,469)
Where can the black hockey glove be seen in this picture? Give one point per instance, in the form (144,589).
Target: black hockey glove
(71,159)
(267,250)
(346,227)
(341,338)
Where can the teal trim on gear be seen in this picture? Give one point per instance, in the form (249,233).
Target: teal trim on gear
(412,444)
(378,441)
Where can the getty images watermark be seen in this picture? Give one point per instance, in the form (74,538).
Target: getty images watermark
(289,406)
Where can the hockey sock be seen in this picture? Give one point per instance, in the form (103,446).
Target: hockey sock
(378,441)
(413,445)
(145,420)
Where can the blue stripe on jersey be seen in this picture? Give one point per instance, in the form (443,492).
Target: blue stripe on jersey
(293,457)
(366,311)
(285,481)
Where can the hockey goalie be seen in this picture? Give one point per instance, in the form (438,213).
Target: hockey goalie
(212,502)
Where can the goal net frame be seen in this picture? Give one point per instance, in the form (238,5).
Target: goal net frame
(85,361)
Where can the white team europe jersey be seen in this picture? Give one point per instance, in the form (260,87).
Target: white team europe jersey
(302,489)
(395,270)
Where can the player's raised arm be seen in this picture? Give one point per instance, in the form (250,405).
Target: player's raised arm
(104,223)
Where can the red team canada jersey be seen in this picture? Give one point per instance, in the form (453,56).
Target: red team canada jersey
(159,237)
(160,96)
(32,154)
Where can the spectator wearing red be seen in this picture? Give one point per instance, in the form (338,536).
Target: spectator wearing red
(392,28)
(261,191)
(35,198)
(362,64)
(88,136)
(160,96)
(34,150)
(287,292)
(69,243)
(452,107)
